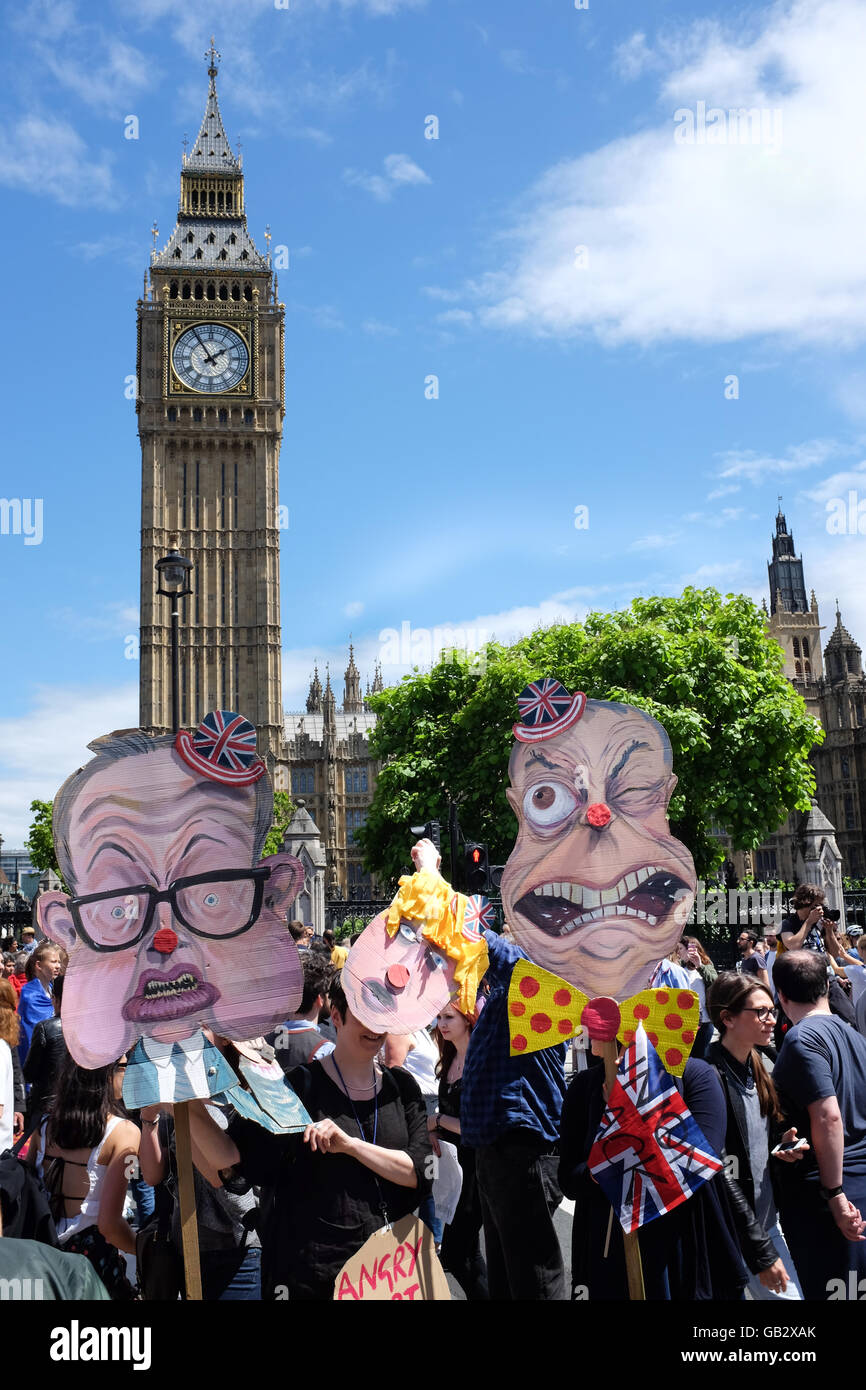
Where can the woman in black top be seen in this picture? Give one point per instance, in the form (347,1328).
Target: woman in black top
(364,1161)
(461,1240)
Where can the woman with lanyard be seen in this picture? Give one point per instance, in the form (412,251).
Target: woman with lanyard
(363,1161)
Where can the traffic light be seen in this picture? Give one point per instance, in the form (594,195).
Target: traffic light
(476,870)
(495,873)
(430,831)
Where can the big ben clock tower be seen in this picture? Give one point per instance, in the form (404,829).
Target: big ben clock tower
(210,411)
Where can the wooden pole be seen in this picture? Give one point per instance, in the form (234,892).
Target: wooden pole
(186,1193)
(633,1266)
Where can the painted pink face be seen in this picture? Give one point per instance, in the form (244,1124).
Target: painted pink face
(396,984)
(151,820)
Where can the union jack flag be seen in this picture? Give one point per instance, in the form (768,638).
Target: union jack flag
(649,1155)
(223,748)
(546,709)
(480,915)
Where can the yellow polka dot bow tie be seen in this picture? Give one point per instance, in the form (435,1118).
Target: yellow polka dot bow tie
(544,1010)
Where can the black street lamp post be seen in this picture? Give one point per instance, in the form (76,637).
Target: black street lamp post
(174,571)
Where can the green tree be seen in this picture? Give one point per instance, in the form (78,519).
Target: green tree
(40,842)
(283,812)
(703,666)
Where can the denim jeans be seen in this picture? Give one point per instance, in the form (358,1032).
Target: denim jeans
(232,1275)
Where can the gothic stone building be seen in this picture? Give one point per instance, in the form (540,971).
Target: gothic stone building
(333,772)
(834,690)
(210,411)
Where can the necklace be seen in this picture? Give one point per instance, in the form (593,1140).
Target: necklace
(352,1103)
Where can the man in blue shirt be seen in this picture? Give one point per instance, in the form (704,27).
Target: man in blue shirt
(821,1079)
(509,1113)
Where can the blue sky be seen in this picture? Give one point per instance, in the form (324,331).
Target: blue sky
(580,264)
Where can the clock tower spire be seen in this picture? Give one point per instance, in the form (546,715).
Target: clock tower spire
(210,411)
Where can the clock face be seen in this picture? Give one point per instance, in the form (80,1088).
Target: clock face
(210,357)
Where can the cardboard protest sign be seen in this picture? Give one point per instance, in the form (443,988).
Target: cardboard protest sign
(397,1264)
(426,951)
(172,921)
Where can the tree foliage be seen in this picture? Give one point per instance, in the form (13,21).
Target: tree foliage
(283,812)
(40,842)
(704,666)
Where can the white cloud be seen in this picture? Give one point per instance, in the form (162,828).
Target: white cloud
(399,169)
(48,157)
(463,317)
(839,485)
(709,242)
(722,491)
(354,609)
(377,329)
(754,467)
(103,72)
(655,541)
(42,747)
(633,57)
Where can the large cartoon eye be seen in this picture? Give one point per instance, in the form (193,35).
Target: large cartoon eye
(118,912)
(434,960)
(211,899)
(548,803)
(408,932)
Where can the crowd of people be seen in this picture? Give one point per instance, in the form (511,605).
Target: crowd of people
(446,1123)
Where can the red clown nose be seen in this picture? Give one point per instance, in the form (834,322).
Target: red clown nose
(598,815)
(165,941)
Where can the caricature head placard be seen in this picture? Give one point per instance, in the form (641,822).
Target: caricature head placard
(172,921)
(597,889)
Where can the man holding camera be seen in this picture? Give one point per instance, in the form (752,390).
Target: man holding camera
(807,929)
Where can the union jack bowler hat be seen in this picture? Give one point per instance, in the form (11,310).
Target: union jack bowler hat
(223,749)
(547,709)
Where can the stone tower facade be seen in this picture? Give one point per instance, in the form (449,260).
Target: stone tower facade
(793,619)
(331,766)
(210,411)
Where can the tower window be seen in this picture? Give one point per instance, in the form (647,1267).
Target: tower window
(846,768)
(211,239)
(228,201)
(807,666)
(189,237)
(223,417)
(211,290)
(199,290)
(185,292)
(172,290)
(224,255)
(232,239)
(172,414)
(194,199)
(798,667)
(248,292)
(177,253)
(199,254)
(236,291)
(244,256)
(796,646)
(224,289)
(196,414)
(248,417)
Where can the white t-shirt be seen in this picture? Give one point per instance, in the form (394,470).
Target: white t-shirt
(696,983)
(421,1062)
(7,1097)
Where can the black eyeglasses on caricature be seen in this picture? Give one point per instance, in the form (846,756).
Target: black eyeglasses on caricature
(213,905)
